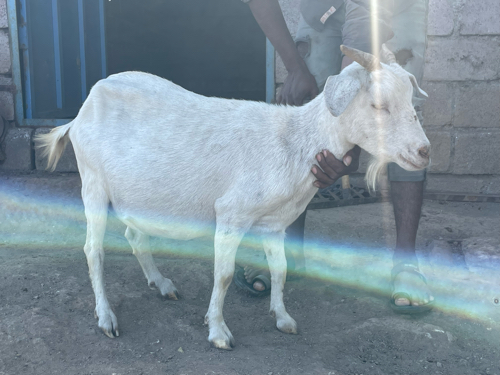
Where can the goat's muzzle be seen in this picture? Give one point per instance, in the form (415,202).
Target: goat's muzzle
(423,156)
(424,152)
(419,159)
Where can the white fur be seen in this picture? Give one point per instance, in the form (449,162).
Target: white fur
(172,163)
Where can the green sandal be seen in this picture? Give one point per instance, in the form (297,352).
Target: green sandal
(411,268)
(241,282)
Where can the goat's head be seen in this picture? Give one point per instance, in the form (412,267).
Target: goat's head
(376,99)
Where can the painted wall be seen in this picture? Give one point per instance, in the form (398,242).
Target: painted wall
(462,78)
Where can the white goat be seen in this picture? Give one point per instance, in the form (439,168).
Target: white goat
(145,144)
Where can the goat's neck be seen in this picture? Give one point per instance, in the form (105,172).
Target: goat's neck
(315,129)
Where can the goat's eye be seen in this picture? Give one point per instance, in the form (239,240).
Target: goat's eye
(415,117)
(381,108)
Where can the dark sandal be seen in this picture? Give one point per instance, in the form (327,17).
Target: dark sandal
(406,267)
(241,282)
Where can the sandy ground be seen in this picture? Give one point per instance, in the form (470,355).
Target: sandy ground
(341,306)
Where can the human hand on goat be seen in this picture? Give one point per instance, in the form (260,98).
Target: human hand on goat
(298,86)
(331,169)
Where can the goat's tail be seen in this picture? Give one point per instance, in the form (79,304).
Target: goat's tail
(53,144)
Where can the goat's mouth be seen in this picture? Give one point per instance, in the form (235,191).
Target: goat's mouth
(410,163)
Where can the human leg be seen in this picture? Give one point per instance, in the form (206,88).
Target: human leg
(409,289)
(407,199)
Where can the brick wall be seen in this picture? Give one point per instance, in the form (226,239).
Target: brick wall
(6,100)
(462,78)
(15,150)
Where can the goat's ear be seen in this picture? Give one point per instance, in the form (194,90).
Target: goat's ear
(413,81)
(339,91)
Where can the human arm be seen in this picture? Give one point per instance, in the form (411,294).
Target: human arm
(331,169)
(299,83)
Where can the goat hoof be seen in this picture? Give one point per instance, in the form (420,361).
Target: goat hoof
(108,324)
(287,325)
(221,338)
(173,296)
(111,334)
(167,289)
(222,344)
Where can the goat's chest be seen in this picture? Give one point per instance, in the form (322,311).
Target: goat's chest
(280,217)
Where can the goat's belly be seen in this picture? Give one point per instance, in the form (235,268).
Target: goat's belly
(176,229)
(180,216)
(166,224)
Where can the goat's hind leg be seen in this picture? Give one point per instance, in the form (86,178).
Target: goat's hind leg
(96,211)
(140,245)
(275,251)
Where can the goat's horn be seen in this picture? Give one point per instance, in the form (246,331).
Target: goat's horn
(366,60)
(387,56)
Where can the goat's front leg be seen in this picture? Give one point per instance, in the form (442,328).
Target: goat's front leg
(275,252)
(226,243)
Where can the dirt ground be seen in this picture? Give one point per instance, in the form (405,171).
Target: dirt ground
(341,305)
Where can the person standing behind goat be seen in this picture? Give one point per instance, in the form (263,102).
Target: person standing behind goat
(314,56)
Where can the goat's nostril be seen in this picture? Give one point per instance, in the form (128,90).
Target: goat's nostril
(424,151)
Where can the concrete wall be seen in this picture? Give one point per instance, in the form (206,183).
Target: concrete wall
(462,116)
(15,149)
(462,78)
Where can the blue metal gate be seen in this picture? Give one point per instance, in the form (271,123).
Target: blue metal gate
(62,54)
(59,52)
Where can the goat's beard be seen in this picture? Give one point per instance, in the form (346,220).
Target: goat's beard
(374,171)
